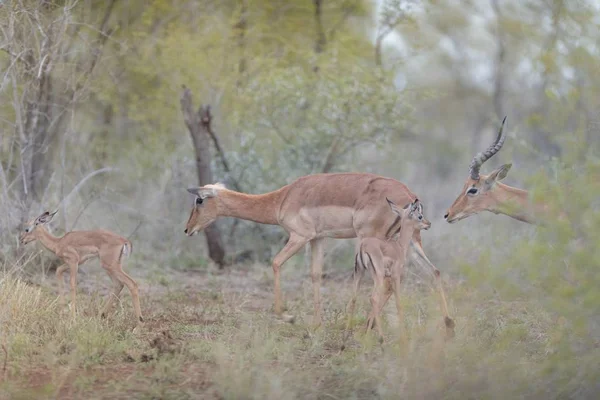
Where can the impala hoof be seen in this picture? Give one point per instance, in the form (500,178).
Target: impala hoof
(449,327)
(290,319)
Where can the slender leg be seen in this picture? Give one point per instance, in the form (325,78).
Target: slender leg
(397,282)
(418,253)
(379,295)
(117,288)
(384,295)
(61,282)
(316,272)
(133,289)
(294,244)
(378,298)
(73,281)
(359,273)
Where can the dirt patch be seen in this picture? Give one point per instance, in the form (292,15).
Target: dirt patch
(116,381)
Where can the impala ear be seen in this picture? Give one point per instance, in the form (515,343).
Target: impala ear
(202,192)
(498,174)
(45,217)
(394,207)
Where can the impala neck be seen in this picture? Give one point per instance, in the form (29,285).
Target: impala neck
(47,239)
(512,202)
(261,208)
(404,237)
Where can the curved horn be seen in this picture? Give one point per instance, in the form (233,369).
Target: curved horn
(483,156)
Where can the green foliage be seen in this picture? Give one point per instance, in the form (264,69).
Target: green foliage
(526,309)
(557,269)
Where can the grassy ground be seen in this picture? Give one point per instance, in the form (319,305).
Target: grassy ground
(213,335)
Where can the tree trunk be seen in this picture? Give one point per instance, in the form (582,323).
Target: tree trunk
(198,124)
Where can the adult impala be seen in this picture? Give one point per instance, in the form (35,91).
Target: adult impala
(77,247)
(487,193)
(313,207)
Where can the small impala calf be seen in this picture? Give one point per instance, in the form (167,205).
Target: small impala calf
(77,247)
(385,260)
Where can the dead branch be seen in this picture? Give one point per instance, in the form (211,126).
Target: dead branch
(206,120)
(349,7)
(103,35)
(321,39)
(329,160)
(85,207)
(84,180)
(240,28)
(5,350)
(389,20)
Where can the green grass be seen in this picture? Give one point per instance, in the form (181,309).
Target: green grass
(526,308)
(201,341)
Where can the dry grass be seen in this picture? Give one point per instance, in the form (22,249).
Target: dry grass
(213,335)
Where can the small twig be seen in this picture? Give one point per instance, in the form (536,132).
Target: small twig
(208,126)
(79,215)
(136,229)
(5,360)
(84,180)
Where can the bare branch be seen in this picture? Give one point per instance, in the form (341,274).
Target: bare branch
(390,18)
(103,35)
(321,39)
(329,160)
(84,180)
(349,7)
(206,119)
(85,207)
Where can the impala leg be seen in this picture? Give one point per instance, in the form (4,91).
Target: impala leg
(396,283)
(385,295)
(420,254)
(133,289)
(448,322)
(61,282)
(378,299)
(73,268)
(294,244)
(117,288)
(316,273)
(359,273)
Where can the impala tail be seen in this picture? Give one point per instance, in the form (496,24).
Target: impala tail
(127,250)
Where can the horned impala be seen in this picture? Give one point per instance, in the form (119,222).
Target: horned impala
(385,260)
(77,247)
(313,207)
(487,193)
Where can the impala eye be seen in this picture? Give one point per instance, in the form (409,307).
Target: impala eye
(199,201)
(420,217)
(27,230)
(472,191)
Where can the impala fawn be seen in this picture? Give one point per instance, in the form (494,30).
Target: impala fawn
(77,247)
(385,261)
